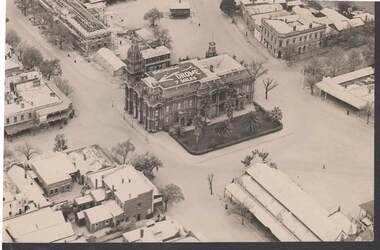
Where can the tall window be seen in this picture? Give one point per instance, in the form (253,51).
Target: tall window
(15,119)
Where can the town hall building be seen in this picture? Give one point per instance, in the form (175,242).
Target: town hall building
(172,96)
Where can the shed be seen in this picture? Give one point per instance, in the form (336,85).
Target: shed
(108,60)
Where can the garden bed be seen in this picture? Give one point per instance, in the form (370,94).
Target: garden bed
(240,131)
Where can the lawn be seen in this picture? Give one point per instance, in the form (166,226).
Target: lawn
(210,140)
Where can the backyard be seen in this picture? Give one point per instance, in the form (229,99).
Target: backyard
(219,135)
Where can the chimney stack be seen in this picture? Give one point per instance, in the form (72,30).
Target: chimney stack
(96,183)
(141,233)
(122,181)
(310,25)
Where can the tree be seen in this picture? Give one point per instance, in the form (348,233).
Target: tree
(123,149)
(23,5)
(153,15)
(12,38)
(163,36)
(210,180)
(171,193)
(344,7)
(224,129)
(313,73)
(269,84)
(205,106)
(262,156)
(241,209)
(355,60)
(369,111)
(275,114)
(335,63)
(63,85)
(228,6)
(60,143)
(27,150)
(198,127)
(31,58)
(314,4)
(51,68)
(253,121)
(229,106)
(59,35)
(369,55)
(146,163)
(289,53)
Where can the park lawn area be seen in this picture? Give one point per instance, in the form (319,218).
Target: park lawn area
(209,140)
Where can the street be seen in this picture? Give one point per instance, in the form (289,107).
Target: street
(315,132)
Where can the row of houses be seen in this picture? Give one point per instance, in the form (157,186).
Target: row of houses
(294,28)
(115,195)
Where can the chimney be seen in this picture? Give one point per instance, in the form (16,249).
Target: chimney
(366,18)
(122,181)
(96,183)
(22,105)
(294,28)
(84,157)
(310,25)
(129,180)
(113,188)
(142,230)
(212,68)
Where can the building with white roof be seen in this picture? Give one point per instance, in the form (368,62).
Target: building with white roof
(131,190)
(341,22)
(179,8)
(354,89)
(90,158)
(28,187)
(283,207)
(108,60)
(105,215)
(171,95)
(42,226)
(30,103)
(55,173)
(86,25)
(293,33)
(11,67)
(162,231)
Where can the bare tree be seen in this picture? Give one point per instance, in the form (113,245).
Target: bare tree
(269,84)
(153,15)
(123,149)
(256,70)
(210,179)
(31,57)
(27,150)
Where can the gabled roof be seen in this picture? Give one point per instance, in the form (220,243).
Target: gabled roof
(301,205)
(103,212)
(110,58)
